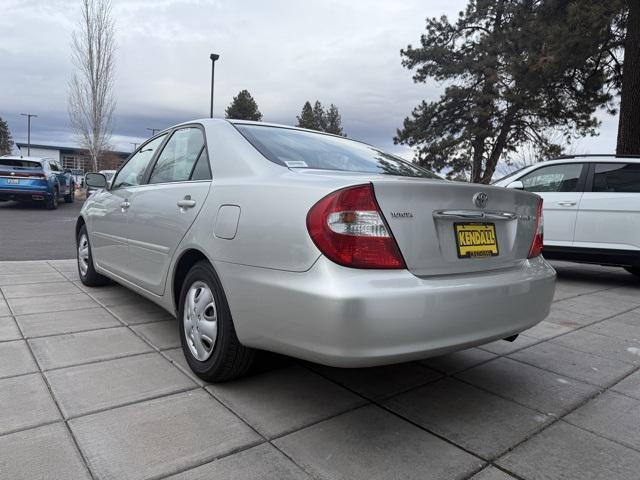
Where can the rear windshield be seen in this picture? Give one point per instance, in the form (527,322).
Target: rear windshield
(19,163)
(300,149)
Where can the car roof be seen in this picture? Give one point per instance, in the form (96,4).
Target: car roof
(591,158)
(30,159)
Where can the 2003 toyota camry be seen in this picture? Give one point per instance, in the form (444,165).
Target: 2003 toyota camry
(261,236)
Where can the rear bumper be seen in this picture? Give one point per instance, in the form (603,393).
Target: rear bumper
(24,194)
(354,318)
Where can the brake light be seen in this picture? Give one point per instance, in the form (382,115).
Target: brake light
(537,244)
(348,228)
(22,175)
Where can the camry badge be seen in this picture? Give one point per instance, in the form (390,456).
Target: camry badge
(480,199)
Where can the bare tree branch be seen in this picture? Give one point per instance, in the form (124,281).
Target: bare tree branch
(91,99)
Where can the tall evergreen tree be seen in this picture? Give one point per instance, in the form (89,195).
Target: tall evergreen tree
(629,76)
(307,119)
(515,70)
(319,116)
(333,121)
(6,140)
(243,107)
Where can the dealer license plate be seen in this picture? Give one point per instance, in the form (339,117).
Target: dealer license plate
(476,240)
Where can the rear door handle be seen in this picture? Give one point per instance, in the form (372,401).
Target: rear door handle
(567,203)
(124,205)
(186,202)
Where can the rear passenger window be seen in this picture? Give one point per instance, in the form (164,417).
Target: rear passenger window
(179,156)
(617,177)
(554,178)
(201,170)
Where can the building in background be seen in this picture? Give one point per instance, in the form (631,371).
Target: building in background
(74,158)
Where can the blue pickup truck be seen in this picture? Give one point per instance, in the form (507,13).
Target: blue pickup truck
(35,179)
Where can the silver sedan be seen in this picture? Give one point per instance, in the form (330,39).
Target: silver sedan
(260,236)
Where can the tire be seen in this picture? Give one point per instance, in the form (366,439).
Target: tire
(71,196)
(86,270)
(634,270)
(222,357)
(52,203)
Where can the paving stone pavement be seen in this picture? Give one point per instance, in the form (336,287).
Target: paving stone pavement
(93,385)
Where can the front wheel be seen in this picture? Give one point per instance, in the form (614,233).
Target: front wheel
(633,270)
(208,336)
(86,270)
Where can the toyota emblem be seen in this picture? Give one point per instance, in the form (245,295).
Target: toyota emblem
(480,199)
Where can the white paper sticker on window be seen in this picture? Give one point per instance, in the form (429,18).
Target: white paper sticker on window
(296,164)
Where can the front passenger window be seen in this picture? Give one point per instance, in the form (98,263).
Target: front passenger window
(132,172)
(554,178)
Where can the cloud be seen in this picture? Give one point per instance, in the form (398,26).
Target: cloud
(283,51)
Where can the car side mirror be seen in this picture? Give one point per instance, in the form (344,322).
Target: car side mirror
(517,184)
(95,180)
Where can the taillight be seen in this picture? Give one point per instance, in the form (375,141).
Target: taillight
(537,244)
(348,228)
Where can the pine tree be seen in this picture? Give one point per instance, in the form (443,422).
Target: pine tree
(629,122)
(307,118)
(6,140)
(243,107)
(514,71)
(319,116)
(333,121)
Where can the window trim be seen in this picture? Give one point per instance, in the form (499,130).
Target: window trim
(582,178)
(154,160)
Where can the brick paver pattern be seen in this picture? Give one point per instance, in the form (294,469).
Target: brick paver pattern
(93,384)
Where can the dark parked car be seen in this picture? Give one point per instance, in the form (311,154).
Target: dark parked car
(35,179)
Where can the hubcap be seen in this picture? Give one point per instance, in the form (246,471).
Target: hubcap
(83,254)
(200,321)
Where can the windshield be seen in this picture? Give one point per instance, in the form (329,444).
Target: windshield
(301,149)
(19,163)
(509,175)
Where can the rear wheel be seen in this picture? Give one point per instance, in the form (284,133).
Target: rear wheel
(71,196)
(86,270)
(52,202)
(634,270)
(208,336)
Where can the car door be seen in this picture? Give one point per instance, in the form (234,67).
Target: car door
(56,173)
(560,186)
(164,208)
(609,213)
(108,211)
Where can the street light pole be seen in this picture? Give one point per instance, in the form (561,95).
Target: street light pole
(153,130)
(29,115)
(213,57)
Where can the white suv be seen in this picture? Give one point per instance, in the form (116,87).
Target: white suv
(591,207)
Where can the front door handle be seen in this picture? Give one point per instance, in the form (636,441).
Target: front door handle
(124,205)
(186,202)
(567,203)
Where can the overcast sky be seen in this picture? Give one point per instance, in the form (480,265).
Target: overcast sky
(283,51)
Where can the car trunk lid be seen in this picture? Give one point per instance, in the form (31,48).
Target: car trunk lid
(441,227)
